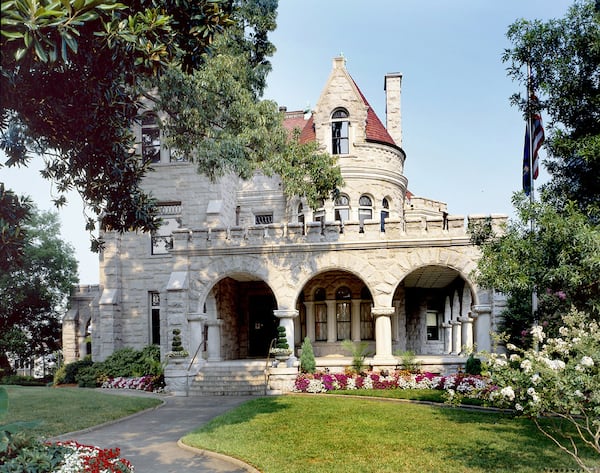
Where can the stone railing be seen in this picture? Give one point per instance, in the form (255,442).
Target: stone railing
(451,227)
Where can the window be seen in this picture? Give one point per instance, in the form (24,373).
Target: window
(300,214)
(385,212)
(342,208)
(320,315)
(339,132)
(319,214)
(150,138)
(433,325)
(365,209)
(343,313)
(162,239)
(367,323)
(263,219)
(154,318)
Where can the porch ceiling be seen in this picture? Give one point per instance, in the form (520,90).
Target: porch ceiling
(430,277)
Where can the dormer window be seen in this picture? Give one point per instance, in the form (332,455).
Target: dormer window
(150,138)
(339,132)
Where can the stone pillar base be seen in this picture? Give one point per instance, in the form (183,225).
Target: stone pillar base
(176,376)
(281,380)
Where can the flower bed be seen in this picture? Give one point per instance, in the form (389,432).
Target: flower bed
(144,383)
(80,458)
(465,385)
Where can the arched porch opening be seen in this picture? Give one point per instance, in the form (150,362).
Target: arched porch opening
(240,307)
(433,312)
(334,306)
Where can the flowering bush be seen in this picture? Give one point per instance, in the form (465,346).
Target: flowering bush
(470,386)
(560,381)
(143,383)
(80,458)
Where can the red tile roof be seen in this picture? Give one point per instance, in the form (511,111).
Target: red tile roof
(295,120)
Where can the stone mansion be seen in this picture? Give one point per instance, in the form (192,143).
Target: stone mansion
(235,259)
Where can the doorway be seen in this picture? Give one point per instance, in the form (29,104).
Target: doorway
(262,324)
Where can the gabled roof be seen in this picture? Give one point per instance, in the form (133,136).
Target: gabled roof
(375,131)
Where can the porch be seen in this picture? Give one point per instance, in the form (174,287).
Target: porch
(264,376)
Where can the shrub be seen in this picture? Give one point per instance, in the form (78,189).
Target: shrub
(67,374)
(359,353)
(307,358)
(281,338)
(16,379)
(473,365)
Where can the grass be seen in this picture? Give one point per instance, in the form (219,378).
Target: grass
(430,395)
(319,434)
(63,410)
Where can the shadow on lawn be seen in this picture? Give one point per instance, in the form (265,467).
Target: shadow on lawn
(517,443)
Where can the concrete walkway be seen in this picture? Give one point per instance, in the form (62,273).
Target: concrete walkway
(149,440)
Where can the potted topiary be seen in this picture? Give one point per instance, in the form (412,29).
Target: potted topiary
(282,349)
(177,350)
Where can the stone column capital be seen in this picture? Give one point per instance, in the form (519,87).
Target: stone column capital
(383,311)
(286,313)
(481,309)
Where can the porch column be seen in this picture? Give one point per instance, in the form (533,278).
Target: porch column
(286,319)
(467,321)
(355,320)
(196,324)
(400,307)
(456,328)
(383,335)
(467,332)
(331,322)
(213,344)
(447,327)
(310,320)
(482,316)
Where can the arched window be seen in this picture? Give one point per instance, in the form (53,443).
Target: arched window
(150,138)
(385,212)
(365,209)
(339,132)
(343,313)
(367,323)
(319,214)
(320,315)
(342,208)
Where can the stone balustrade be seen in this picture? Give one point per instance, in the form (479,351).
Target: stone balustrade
(452,227)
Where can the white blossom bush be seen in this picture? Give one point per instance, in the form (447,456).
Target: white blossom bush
(559,382)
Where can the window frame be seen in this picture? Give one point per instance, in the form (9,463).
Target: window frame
(340,132)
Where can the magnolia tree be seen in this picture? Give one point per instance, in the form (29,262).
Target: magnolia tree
(557,385)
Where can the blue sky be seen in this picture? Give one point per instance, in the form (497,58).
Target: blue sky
(462,138)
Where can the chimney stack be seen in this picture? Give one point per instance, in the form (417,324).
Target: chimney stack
(393,122)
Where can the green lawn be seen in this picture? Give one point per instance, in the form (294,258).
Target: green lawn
(327,434)
(63,410)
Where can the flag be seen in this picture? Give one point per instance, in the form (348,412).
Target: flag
(532,144)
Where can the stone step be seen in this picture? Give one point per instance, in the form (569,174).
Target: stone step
(231,379)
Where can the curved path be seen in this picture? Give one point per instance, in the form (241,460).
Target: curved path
(149,439)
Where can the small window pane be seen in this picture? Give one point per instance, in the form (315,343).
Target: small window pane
(365,201)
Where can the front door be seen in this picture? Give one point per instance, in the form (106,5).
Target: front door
(263,324)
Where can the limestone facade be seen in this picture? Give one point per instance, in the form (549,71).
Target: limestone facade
(235,259)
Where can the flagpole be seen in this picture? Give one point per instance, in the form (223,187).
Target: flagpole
(534,299)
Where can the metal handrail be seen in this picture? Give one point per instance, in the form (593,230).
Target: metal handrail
(267,365)
(195,355)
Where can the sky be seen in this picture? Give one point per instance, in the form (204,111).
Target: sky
(463,140)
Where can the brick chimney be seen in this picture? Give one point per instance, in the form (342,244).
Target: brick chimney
(393,115)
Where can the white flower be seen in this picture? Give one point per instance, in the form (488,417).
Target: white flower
(535,378)
(578,393)
(531,391)
(518,407)
(587,362)
(514,357)
(564,331)
(511,347)
(526,366)
(554,364)
(537,333)
(508,393)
